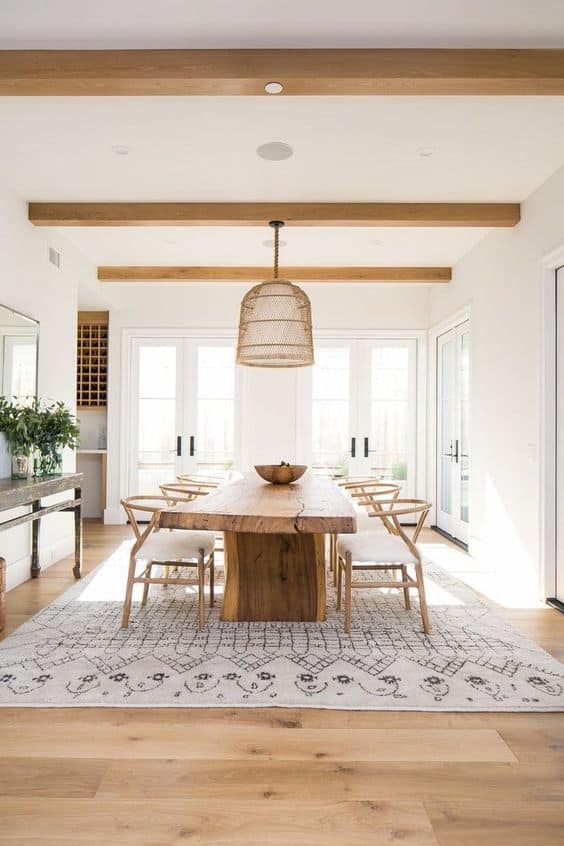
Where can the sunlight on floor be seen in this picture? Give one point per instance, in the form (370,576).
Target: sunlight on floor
(108,584)
(504,589)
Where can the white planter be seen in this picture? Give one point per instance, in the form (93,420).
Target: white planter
(5,458)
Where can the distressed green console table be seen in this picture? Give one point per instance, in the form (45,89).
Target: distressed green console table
(15,493)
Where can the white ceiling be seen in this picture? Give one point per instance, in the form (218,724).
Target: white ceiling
(232,246)
(345,148)
(289,23)
(490,149)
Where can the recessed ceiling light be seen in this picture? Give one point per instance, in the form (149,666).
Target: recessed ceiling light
(275,151)
(270,243)
(273,87)
(425,152)
(120,150)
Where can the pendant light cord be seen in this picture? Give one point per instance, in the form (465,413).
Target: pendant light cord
(276,225)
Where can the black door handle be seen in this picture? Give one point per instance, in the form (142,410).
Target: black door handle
(192,445)
(353,447)
(456,451)
(366,447)
(179,444)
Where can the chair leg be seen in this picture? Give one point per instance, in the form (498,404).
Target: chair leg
(145,595)
(406,598)
(339,577)
(335,560)
(128,593)
(201,591)
(422,600)
(166,574)
(212,580)
(348,591)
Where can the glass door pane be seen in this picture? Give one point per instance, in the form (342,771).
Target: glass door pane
(453,442)
(331,410)
(464,448)
(559,586)
(215,450)
(392,396)
(157,416)
(446,424)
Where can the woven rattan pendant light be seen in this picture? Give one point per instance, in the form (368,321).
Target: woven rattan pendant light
(275,322)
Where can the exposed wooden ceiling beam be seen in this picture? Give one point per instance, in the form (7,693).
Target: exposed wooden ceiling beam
(258,214)
(250,274)
(302,72)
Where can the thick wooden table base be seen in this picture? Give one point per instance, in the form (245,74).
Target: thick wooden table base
(274,577)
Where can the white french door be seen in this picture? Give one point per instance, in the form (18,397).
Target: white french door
(453,444)
(359,405)
(182,410)
(559,591)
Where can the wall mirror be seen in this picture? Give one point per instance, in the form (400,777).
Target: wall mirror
(19,344)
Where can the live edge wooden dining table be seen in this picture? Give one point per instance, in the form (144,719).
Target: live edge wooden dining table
(274,543)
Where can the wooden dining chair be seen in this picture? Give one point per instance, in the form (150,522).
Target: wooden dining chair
(367,501)
(188,490)
(365,494)
(165,548)
(183,491)
(394,551)
(351,482)
(205,483)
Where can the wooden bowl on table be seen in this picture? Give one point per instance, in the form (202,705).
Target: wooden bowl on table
(281,474)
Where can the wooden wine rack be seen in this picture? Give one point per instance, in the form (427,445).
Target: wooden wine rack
(92,360)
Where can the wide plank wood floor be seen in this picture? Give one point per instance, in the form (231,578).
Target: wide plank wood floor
(254,777)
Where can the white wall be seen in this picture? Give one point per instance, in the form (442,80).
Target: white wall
(28,283)
(501,279)
(269,397)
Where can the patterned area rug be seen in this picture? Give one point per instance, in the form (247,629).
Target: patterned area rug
(73,653)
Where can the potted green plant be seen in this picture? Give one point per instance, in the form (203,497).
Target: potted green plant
(56,428)
(19,423)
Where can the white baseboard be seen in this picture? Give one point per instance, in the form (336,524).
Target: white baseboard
(114,517)
(19,571)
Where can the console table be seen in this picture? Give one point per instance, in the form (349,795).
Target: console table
(15,493)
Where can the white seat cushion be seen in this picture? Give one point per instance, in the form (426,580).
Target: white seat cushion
(375,548)
(176,545)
